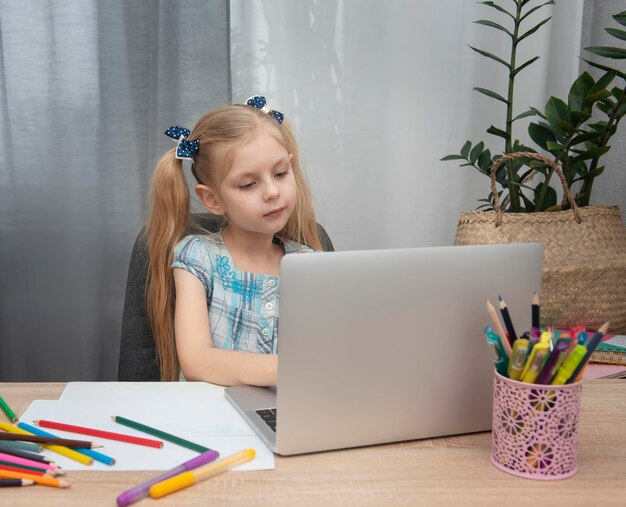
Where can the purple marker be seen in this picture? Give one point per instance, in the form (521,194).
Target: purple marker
(556,358)
(142,490)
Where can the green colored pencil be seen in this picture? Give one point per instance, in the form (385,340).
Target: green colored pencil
(7,410)
(22,467)
(161,434)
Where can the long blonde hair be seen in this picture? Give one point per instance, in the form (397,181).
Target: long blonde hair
(220,133)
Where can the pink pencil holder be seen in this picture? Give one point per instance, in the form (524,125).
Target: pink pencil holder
(535,428)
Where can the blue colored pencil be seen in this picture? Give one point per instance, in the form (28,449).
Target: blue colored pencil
(102,458)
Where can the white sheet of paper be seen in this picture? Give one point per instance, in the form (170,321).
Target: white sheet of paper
(193,411)
(129,391)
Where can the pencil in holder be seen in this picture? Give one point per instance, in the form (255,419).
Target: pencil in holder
(535,428)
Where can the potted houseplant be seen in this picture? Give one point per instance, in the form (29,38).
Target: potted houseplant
(585,246)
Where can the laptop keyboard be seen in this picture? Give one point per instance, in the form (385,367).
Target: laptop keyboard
(269,416)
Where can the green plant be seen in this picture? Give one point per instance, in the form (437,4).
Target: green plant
(568,130)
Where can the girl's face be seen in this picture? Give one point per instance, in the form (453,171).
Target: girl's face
(258,193)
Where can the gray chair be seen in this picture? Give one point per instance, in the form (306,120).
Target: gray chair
(138,359)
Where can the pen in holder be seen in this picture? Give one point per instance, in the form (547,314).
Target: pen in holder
(535,428)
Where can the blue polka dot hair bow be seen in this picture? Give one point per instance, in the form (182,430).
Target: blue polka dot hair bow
(259,102)
(185,149)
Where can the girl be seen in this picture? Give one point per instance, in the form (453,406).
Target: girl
(212,299)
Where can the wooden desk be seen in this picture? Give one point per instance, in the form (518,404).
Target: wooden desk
(445,471)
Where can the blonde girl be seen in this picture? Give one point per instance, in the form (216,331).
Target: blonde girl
(212,299)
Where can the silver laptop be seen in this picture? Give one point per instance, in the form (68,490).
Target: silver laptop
(387,345)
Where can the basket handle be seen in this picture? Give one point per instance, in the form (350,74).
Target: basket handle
(536,156)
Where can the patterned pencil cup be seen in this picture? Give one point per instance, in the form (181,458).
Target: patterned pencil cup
(535,428)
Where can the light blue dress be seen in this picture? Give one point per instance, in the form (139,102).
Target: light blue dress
(243,307)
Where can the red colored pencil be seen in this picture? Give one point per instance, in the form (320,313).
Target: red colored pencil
(18,469)
(129,439)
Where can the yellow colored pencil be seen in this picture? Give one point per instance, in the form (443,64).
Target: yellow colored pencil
(189,478)
(37,479)
(63,451)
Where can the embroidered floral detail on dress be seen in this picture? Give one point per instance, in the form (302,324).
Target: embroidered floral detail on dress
(247,290)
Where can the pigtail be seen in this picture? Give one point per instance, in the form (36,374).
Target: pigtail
(168,221)
(302,224)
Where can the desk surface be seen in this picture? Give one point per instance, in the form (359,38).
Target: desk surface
(442,471)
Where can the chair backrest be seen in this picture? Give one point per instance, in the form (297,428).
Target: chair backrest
(138,358)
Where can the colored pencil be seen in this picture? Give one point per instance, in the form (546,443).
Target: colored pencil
(25,454)
(507,320)
(25,437)
(591,346)
(22,469)
(7,483)
(535,310)
(10,465)
(44,480)
(7,410)
(102,458)
(9,459)
(19,445)
(200,474)
(59,449)
(497,327)
(142,490)
(160,434)
(129,439)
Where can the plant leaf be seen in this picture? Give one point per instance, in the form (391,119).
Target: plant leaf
(608,52)
(592,153)
(517,146)
(538,113)
(596,172)
(525,114)
(497,132)
(524,65)
(551,146)
(598,126)
(484,161)
(541,135)
(605,68)
(620,18)
(491,94)
(587,136)
(556,207)
(556,112)
(595,97)
(550,2)
(549,198)
(466,149)
(491,24)
(452,157)
(620,34)
(497,7)
(603,82)
(476,151)
(606,107)
(579,90)
(533,29)
(493,57)
(540,167)
(579,117)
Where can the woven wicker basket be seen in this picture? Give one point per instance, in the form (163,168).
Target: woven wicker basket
(584,274)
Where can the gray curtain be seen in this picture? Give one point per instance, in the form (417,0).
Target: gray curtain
(86,90)
(610,187)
